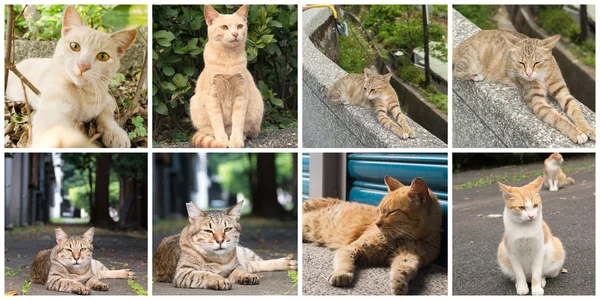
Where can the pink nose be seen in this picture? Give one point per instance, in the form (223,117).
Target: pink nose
(531,217)
(529,73)
(235,34)
(84,67)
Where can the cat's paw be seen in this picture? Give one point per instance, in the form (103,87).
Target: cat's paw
(291,264)
(543,282)
(412,134)
(399,288)
(340,279)
(81,290)
(580,138)
(537,291)
(222,143)
(116,138)
(100,286)
(522,289)
(248,279)
(553,189)
(220,284)
(404,136)
(591,133)
(129,274)
(235,144)
(477,77)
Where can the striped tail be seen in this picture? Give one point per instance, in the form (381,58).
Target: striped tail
(316,204)
(205,141)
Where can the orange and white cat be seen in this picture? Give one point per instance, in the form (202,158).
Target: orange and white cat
(528,252)
(554,178)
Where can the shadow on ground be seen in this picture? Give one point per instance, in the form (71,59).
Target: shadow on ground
(284,138)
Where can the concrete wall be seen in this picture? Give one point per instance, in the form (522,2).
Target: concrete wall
(348,126)
(494,115)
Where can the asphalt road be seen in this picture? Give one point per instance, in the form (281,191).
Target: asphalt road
(478,228)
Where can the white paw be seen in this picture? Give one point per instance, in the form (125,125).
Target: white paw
(522,289)
(235,144)
(477,77)
(537,291)
(116,137)
(553,189)
(582,138)
(543,281)
(404,136)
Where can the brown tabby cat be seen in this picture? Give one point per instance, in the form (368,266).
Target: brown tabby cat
(526,63)
(403,232)
(374,92)
(227,106)
(69,267)
(554,177)
(206,254)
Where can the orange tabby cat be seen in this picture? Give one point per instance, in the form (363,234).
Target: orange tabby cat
(403,232)
(554,178)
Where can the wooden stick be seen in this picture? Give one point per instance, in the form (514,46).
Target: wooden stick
(10,27)
(12,68)
(29,127)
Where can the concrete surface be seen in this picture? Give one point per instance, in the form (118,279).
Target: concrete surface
(317,264)
(318,74)
(501,109)
(569,212)
(283,138)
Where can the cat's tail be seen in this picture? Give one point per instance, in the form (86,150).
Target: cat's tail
(316,204)
(334,93)
(205,141)
(41,267)
(570,180)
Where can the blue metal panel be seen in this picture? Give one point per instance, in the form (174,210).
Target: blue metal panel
(305,176)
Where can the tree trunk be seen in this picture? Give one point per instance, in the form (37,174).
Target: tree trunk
(426,46)
(583,23)
(265,204)
(87,165)
(100,213)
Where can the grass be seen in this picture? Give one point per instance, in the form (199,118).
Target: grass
(38,231)
(62,220)
(137,288)
(480,15)
(352,50)
(293,275)
(10,272)
(25,287)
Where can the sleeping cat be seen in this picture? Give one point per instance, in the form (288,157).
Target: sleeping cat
(554,178)
(74,84)
(227,106)
(69,267)
(403,232)
(206,254)
(374,92)
(514,59)
(528,251)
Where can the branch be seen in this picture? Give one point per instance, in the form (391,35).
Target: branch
(29,128)
(10,27)
(12,68)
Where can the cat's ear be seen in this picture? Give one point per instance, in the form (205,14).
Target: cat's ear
(124,38)
(387,76)
(550,42)
(243,11)
(194,213)
(89,234)
(392,183)
(210,14)
(506,190)
(71,18)
(536,185)
(367,72)
(236,210)
(60,235)
(418,190)
(510,38)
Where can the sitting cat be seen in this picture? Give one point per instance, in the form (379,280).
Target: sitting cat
(554,178)
(514,59)
(374,92)
(528,252)
(206,254)
(74,83)
(403,232)
(227,106)
(69,267)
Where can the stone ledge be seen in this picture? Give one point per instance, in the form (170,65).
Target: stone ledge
(501,109)
(319,73)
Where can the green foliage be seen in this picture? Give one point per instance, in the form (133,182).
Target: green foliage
(25,287)
(10,272)
(352,50)
(123,16)
(412,74)
(139,130)
(178,137)
(293,275)
(137,288)
(439,99)
(179,39)
(480,15)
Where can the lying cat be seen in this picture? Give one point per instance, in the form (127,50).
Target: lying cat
(554,178)
(74,84)
(514,59)
(403,232)
(374,92)
(206,254)
(227,106)
(69,267)
(528,252)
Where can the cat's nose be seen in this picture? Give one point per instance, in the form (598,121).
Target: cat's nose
(531,217)
(529,72)
(235,34)
(219,241)
(84,67)
(378,223)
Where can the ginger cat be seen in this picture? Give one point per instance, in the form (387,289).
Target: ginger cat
(403,232)
(374,92)
(528,252)
(227,106)
(516,60)
(554,178)
(74,85)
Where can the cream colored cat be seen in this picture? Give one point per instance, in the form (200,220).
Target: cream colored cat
(227,106)
(554,178)
(74,84)
(526,63)
(528,252)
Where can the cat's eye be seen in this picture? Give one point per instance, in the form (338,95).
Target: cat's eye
(365,88)
(535,205)
(82,249)
(208,230)
(522,207)
(224,27)
(523,64)
(240,26)
(537,63)
(102,56)
(69,250)
(75,47)
(227,229)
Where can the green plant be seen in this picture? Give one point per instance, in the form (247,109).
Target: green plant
(480,15)
(439,99)
(137,288)
(178,137)
(25,287)
(293,275)
(412,74)
(352,50)
(10,272)
(140,129)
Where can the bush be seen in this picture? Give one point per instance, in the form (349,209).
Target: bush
(433,95)
(353,58)
(557,21)
(412,74)
(480,15)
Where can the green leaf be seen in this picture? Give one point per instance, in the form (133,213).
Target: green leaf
(277,101)
(196,24)
(163,37)
(154,55)
(161,108)
(168,70)
(180,80)
(189,70)
(168,86)
(267,38)
(276,23)
(123,16)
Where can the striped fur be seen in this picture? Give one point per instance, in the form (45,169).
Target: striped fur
(526,63)
(69,267)
(403,232)
(374,92)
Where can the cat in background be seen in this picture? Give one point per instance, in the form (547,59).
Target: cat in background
(403,232)
(227,107)
(74,85)
(206,254)
(554,178)
(373,92)
(528,251)
(516,60)
(69,267)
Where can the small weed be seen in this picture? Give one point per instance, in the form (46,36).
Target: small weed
(178,137)
(10,272)
(137,288)
(293,275)
(25,287)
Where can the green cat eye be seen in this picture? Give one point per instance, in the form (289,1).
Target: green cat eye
(83,249)
(75,47)
(227,229)
(208,230)
(102,56)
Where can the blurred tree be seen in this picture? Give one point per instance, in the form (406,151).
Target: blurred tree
(99,215)
(131,170)
(265,193)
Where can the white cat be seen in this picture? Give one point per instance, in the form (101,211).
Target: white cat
(74,84)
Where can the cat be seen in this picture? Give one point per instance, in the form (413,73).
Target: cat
(227,107)
(74,83)
(528,251)
(69,267)
(554,178)
(403,232)
(373,92)
(206,254)
(516,60)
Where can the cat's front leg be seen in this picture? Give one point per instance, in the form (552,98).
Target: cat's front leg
(113,135)
(238,275)
(190,278)
(215,115)
(521,280)
(536,272)
(238,115)
(343,266)
(95,284)
(59,284)
(404,267)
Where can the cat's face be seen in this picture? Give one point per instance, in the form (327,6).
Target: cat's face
(530,57)
(375,85)
(228,30)
(556,158)
(76,251)
(404,208)
(90,57)
(214,232)
(523,204)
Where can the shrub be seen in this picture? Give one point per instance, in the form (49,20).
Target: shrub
(480,15)
(558,21)
(353,58)
(412,74)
